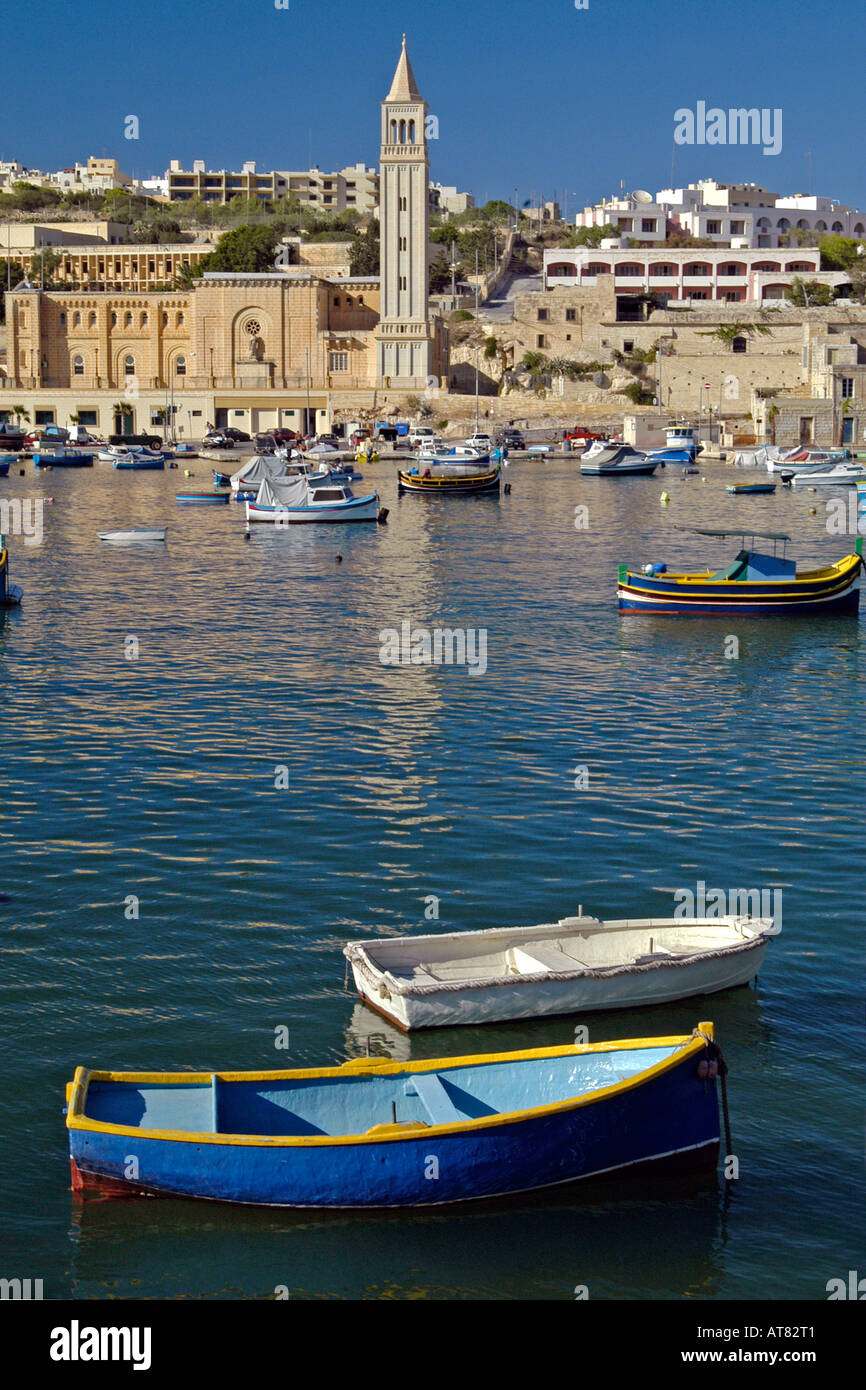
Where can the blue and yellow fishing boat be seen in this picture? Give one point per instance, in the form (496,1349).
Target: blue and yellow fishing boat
(10,594)
(755,584)
(376,1133)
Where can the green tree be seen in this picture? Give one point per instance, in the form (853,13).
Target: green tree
(364,255)
(838,252)
(808,293)
(590,236)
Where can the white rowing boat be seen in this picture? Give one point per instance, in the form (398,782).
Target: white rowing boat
(571,966)
(141,533)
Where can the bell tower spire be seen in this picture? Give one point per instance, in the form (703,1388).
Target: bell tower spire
(404,334)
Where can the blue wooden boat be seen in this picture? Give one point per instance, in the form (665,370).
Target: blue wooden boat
(221,479)
(755,584)
(6,462)
(741,489)
(139,464)
(62,458)
(202,499)
(376,1133)
(10,594)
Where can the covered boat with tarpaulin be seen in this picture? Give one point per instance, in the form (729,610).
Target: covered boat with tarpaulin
(376,1133)
(756,583)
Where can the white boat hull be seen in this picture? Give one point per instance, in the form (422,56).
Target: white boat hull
(535,991)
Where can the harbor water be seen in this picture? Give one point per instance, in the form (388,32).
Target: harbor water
(210,782)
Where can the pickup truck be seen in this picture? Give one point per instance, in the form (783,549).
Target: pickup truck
(152,441)
(11,437)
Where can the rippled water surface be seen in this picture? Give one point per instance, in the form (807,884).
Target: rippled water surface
(156,777)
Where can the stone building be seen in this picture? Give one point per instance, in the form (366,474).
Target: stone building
(729,361)
(298,346)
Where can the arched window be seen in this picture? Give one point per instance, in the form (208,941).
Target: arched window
(837,227)
(78,365)
(393,132)
(803,224)
(127,319)
(697,268)
(764,224)
(179,321)
(129,366)
(63,318)
(820,225)
(783,224)
(799,266)
(402,132)
(594,268)
(76,320)
(164,319)
(766,265)
(143,320)
(739,345)
(180,366)
(114,320)
(92,320)
(411,132)
(858,230)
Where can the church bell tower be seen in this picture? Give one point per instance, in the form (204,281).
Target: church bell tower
(404,336)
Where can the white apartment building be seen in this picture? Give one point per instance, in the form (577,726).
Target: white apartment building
(725,213)
(447,198)
(679,276)
(355,187)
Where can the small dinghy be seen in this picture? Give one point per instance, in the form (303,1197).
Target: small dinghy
(140,533)
(571,966)
(202,499)
(6,462)
(740,489)
(364,1134)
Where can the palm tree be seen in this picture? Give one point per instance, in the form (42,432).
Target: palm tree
(772,412)
(20,413)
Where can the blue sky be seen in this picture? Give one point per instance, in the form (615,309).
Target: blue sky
(532,94)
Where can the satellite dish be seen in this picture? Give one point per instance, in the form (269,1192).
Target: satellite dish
(640,195)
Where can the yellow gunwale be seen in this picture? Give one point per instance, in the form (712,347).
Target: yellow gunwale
(837,570)
(76,1092)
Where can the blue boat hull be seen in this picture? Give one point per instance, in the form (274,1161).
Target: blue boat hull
(685,456)
(201,499)
(140,465)
(669,1121)
(63,460)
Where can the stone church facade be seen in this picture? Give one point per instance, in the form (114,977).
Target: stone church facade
(296,347)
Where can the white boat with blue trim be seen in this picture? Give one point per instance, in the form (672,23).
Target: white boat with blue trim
(289,501)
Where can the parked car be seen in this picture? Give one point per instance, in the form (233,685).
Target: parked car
(582,435)
(150,441)
(11,437)
(285,436)
(52,434)
(421,434)
(265,444)
(388,434)
(239,436)
(480,441)
(511,439)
